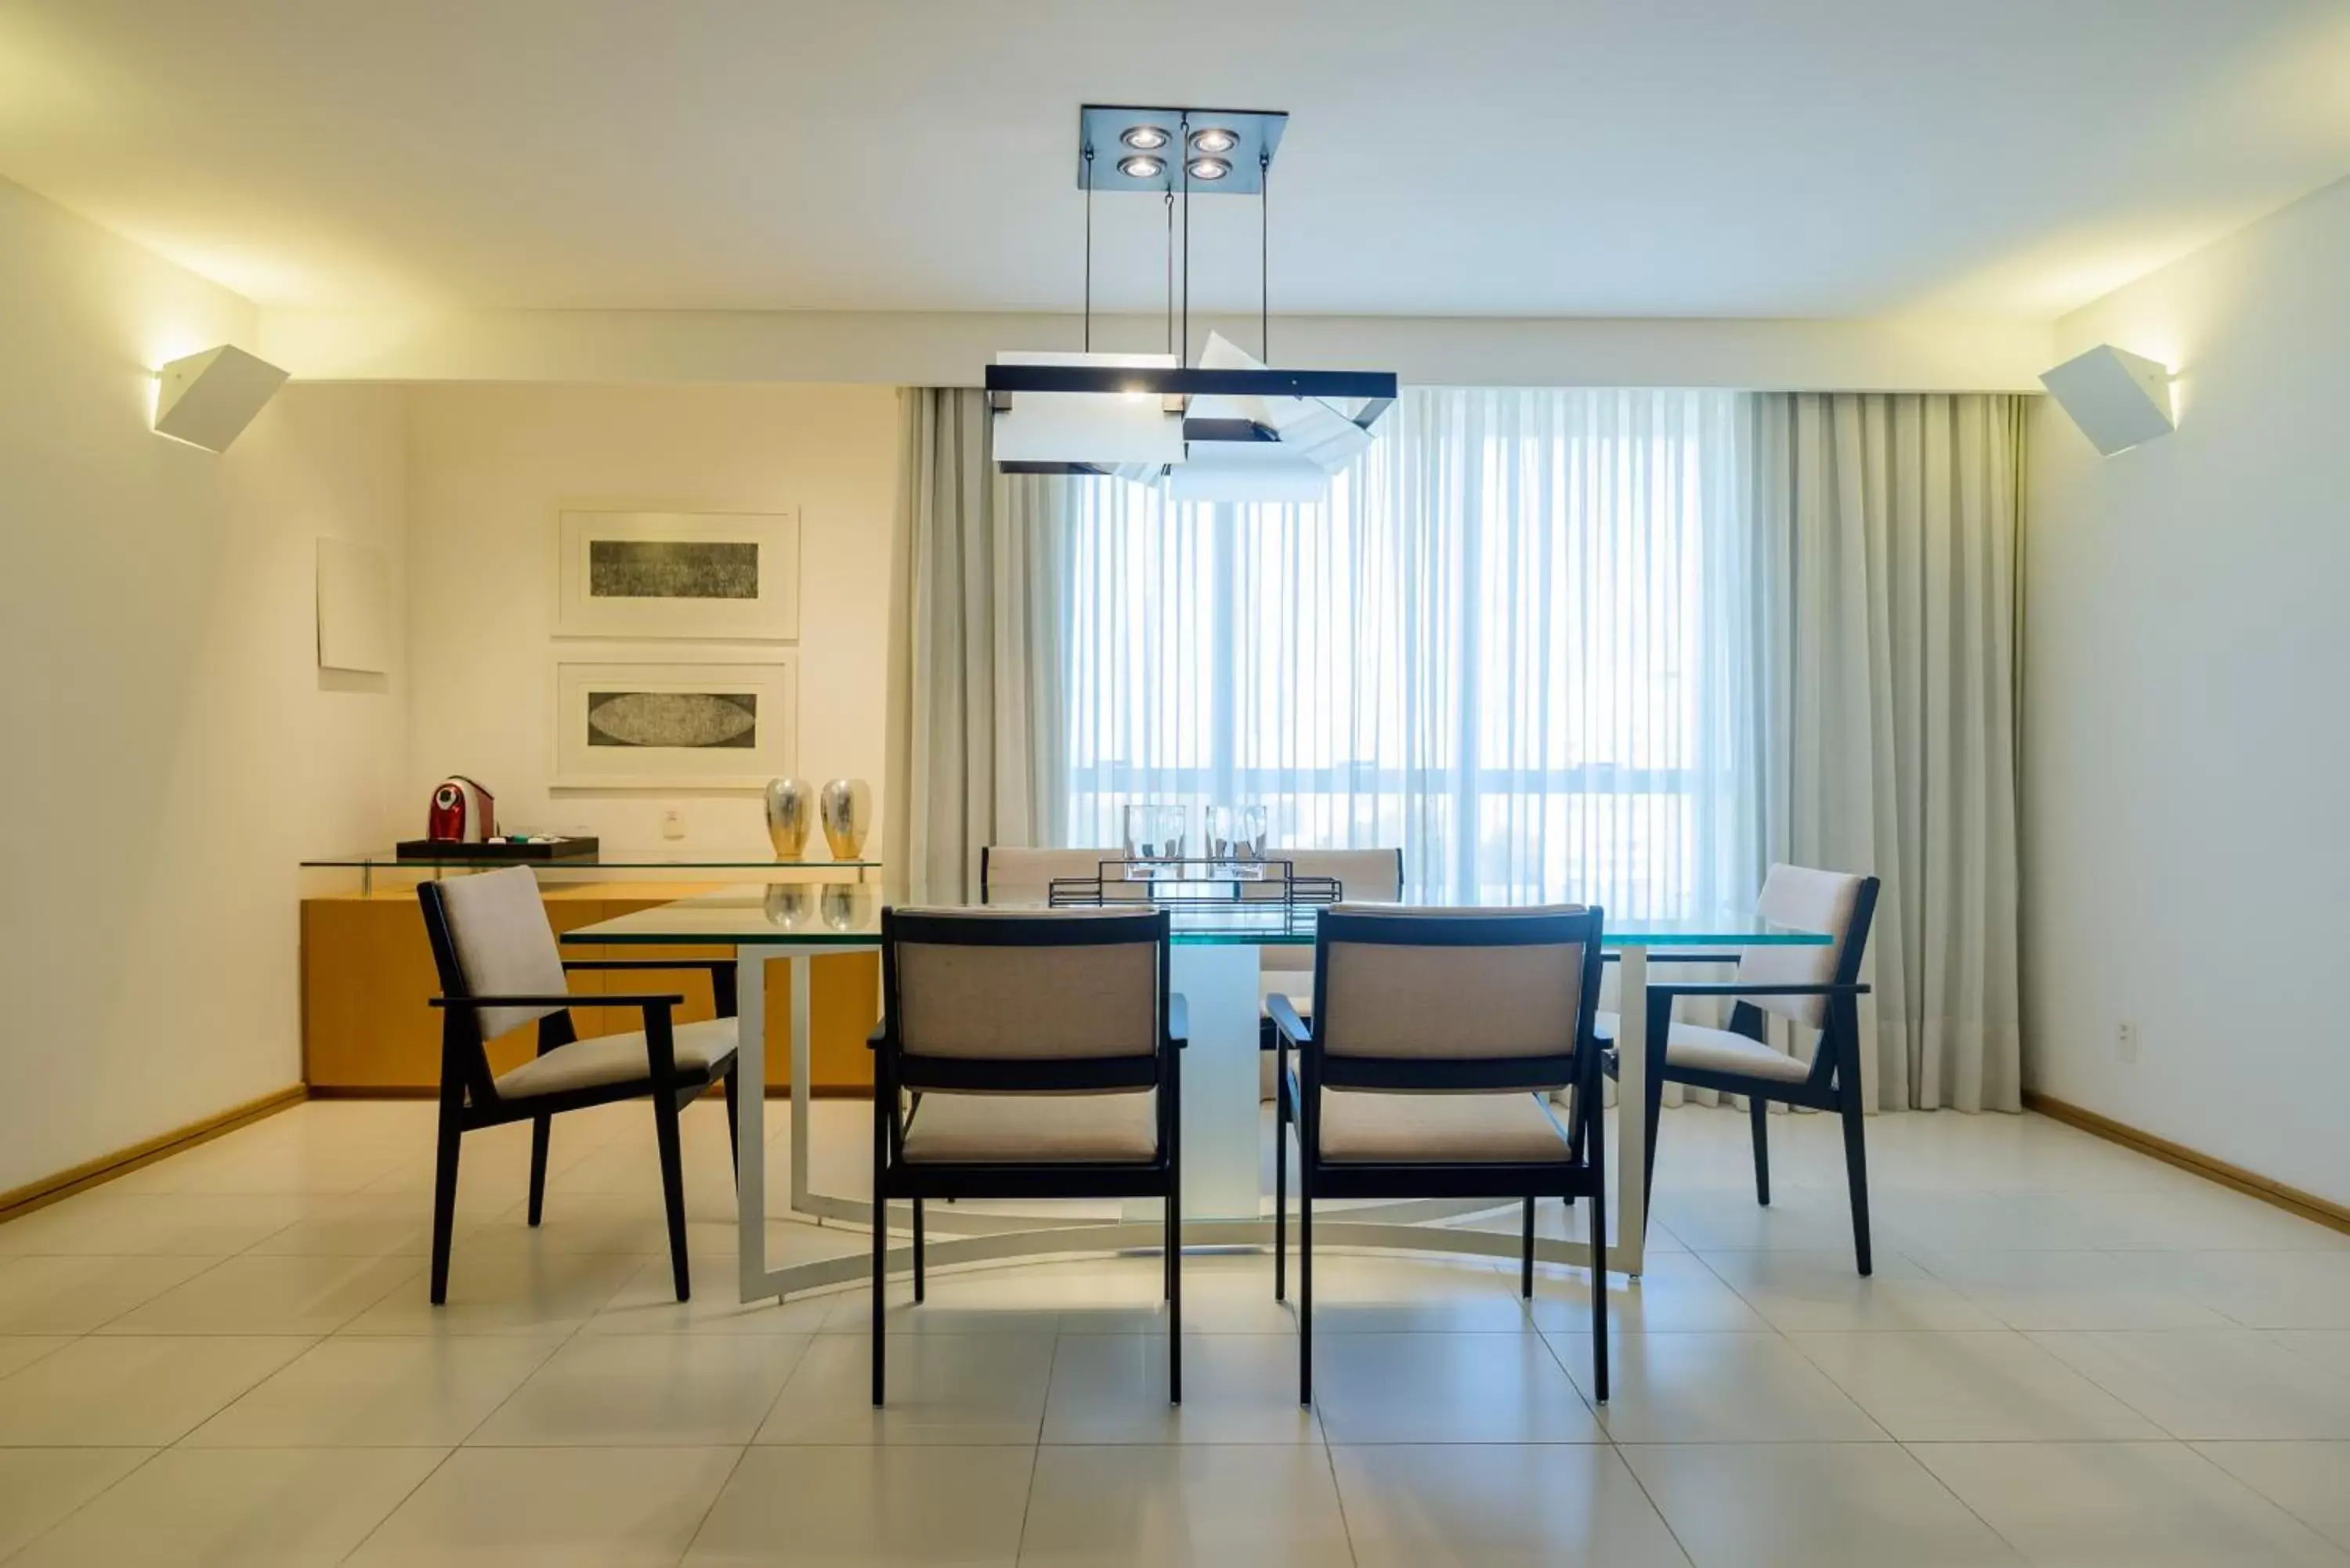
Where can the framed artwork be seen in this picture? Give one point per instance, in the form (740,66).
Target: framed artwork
(727,576)
(708,720)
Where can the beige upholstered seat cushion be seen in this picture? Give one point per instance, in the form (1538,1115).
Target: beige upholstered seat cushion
(995,1129)
(1298,988)
(1449,1129)
(617,1059)
(1719,1051)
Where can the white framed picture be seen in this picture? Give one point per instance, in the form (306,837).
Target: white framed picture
(707,720)
(731,576)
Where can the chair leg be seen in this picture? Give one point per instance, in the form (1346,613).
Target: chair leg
(880,1277)
(541,1129)
(444,1201)
(1526,1254)
(1304,1281)
(1855,1170)
(1280,1191)
(733,1127)
(1175,1281)
(1654,1117)
(1759,1109)
(1598,1299)
(919,1283)
(672,1163)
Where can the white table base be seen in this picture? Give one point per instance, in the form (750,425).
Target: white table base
(1223,1204)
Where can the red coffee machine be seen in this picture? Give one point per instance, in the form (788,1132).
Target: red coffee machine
(462,812)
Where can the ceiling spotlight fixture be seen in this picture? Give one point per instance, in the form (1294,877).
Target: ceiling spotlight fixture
(1223,427)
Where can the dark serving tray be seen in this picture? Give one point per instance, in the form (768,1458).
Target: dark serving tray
(497,853)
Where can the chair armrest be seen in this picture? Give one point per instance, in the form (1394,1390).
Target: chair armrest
(1283,1013)
(560,999)
(1178,1019)
(1733,988)
(873,1041)
(1611,955)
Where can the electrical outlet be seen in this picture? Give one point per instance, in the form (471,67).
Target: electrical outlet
(673,824)
(2126,1041)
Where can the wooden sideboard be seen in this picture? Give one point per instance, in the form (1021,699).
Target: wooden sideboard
(367,972)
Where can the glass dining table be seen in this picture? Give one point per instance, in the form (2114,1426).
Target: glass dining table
(1215,965)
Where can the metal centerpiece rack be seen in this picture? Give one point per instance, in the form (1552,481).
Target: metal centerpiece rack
(1272,887)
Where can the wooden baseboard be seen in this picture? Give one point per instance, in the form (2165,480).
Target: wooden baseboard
(122,1163)
(2291,1200)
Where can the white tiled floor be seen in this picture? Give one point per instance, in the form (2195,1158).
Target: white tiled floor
(2068,1354)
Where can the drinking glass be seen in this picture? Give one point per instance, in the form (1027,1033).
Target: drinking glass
(1236,840)
(1153,832)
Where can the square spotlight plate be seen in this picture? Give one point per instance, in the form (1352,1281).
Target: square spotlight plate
(1103,127)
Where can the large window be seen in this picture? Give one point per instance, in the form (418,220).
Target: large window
(1518,640)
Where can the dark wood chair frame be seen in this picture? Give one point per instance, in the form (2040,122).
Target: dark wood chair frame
(898,1073)
(1267,1037)
(469,1099)
(1298,1095)
(1834,1083)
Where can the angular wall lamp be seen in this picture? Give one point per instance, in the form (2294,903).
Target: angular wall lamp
(2119,400)
(206,399)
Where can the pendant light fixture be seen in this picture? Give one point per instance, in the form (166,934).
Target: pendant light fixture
(1230,428)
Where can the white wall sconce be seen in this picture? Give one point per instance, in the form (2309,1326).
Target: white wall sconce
(2119,400)
(206,399)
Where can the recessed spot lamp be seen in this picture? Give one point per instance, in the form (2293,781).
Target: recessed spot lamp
(1210,168)
(1214,139)
(1144,137)
(1141,168)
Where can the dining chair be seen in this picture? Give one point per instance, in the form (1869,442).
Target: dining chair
(1013,874)
(1027,1055)
(1815,986)
(1364,876)
(1437,1039)
(500,969)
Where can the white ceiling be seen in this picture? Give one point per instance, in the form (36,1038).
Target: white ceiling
(1836,158)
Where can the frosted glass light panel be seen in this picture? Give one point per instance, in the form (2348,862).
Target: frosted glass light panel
(1109,430)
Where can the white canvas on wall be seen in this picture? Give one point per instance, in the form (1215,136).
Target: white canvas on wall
(708,720)
(354,608)
(726,575)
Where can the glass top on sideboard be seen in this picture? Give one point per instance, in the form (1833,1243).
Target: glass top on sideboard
(748,860)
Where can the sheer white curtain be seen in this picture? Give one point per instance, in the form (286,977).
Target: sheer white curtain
(1521,639)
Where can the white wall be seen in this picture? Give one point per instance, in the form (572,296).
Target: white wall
(2187,739)
(172,748)
(488,466)
(914,349)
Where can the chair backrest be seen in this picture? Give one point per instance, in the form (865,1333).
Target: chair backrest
(1372,875)
(1015,874)
(1454,998)
(1809,900)
(491,937)
(1005,1001)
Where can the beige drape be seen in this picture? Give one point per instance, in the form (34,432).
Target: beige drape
(975,637)
(1888,537)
